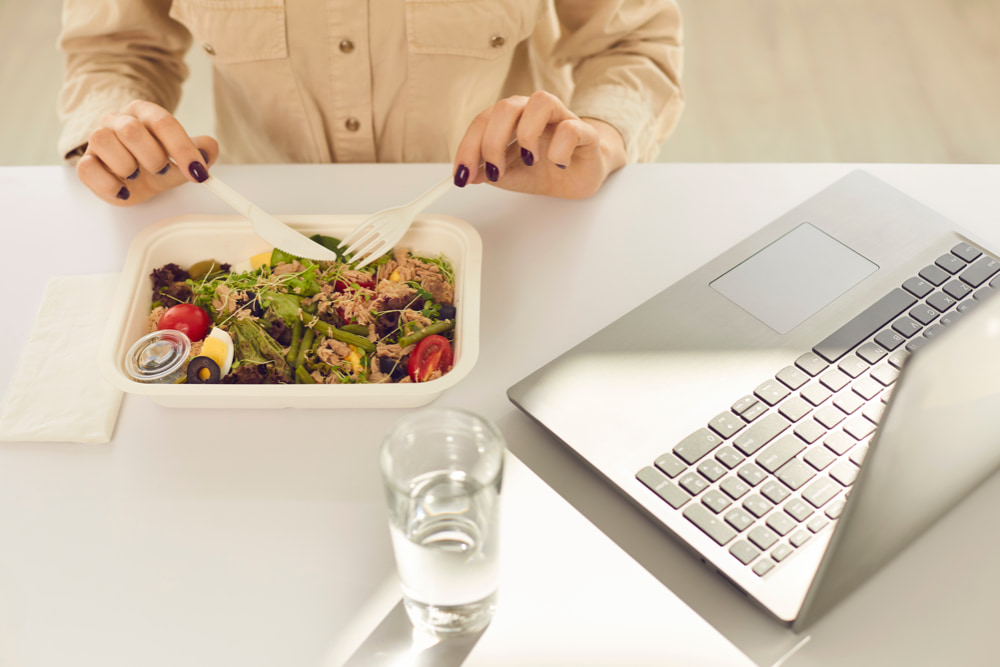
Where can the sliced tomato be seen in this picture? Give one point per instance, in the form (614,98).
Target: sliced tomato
(431,354)
(188,319)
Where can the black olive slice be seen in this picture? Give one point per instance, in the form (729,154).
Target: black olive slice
(203,370)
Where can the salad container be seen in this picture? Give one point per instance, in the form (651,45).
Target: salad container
(184,240)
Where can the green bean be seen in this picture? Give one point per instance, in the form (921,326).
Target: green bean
(293,348)
(302,376)
(433,328)
(305,346)
(329,331)
(357,329)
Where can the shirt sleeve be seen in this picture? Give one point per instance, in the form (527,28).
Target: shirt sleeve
(116,51)
(626,58)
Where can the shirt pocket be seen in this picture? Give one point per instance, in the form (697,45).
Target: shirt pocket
(486,29)
(235,31)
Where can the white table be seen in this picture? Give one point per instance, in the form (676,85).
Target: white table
(201,537)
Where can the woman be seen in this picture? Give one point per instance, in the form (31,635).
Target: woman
(584,86)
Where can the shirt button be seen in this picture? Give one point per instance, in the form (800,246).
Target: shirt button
(497,41)
(346,46)
(352,124)
(208,48)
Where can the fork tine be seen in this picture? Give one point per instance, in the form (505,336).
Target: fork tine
(363,240)
(365,250)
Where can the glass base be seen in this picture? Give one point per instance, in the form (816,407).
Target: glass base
(452,619)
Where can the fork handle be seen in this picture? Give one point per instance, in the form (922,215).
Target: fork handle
(231,197)
(432,195)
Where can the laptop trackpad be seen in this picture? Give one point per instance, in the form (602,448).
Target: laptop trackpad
(794,277)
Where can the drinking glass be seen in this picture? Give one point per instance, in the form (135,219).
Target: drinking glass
(442,470)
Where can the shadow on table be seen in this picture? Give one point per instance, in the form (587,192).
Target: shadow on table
(395,642)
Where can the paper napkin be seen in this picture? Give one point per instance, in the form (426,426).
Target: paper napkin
(57,393)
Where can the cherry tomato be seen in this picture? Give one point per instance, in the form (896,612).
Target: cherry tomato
(188,319)
(431,354)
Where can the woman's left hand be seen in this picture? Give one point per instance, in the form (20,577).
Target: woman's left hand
(557,153)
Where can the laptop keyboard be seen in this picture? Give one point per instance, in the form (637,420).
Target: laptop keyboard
(766,475)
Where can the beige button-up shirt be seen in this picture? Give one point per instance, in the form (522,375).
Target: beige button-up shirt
(373,81)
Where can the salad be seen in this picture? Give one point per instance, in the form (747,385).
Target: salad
(280,319)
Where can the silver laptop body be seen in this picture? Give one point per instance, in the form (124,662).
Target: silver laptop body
(677,402)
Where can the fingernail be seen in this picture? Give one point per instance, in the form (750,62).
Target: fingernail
(165,169)
(561,166)
(527,157)
(134,175)
(492,172)
(461,175)
(204,155)
(198,171)
(123,194)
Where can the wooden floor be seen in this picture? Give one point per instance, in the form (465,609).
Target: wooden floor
(765,81)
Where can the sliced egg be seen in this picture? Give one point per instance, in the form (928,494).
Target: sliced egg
(218,346)
(260,260)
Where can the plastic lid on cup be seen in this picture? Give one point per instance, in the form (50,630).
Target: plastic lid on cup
(158,357)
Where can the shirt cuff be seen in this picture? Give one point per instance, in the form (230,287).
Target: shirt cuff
(626,110)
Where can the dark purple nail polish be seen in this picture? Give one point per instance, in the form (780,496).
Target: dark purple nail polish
(198,171)
(461,175)
(561,166)
(123,194)
(492,172)
(527,157)
(134,175)
(204,155)
(165,169)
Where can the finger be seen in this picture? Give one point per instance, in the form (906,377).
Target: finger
(543,109)
(105,145)
(145,149)
(500,129)
(106,185)
(569,137)
(172,137)
(469,154)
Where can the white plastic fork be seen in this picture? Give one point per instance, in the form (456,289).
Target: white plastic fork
(379,233)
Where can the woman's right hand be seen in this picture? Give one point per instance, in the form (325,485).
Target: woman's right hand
(140,152)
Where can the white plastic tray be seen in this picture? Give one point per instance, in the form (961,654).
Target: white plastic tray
(185,240)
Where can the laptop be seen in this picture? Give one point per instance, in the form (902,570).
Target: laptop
(803,406)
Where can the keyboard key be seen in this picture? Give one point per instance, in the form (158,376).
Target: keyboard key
(820,491)
(781,552)
(871,352)
(792,377)
(966,252)
(818,523)
(923,314)
(980,294)
(934,275)
(711,525)
(810,430)
(780,523)
(956,289)
(693,483)
(696,445)
(798,509)
(763,537)
(771,391)
(760,433)
(950,263)
(819,457)
(857,457)
(711,469)
(744,404)
(980,272)
(867,388)
(858,427)
(739,519)
(889,339)
(873,318)
(918,287)
(670,465)
(839,442)
(794,408)
(916,344)
(885,374)
(661,486)
(815,393)
(940,301)
(726,424)
(950,318)
(755,410)
(853,365)
(774,492)
(757,505)
(763,566)
(898,358)
(836,508)
(906,327)
(835,379)
(829,416)
(729,456)
(844,472)
(811,363)
(848,402)
(933,330)
(751,474)
(744,551)
(799,538)
(795,473)
(716,501)
(873,411)
(734,487)
(779,453)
